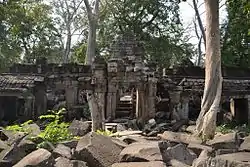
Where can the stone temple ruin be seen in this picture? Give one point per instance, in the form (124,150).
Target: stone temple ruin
(127,88)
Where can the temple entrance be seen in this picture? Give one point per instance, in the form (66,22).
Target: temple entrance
(241,111)
(9,108)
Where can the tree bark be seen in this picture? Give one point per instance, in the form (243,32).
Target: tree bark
(92,96)
(206,122)
(68,45)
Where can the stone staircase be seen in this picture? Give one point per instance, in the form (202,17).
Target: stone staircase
(124,107)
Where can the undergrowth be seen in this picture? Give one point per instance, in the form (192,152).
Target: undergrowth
(55,130)
(104,132)
(228,128)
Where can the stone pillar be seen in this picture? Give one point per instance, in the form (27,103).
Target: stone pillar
(71,93)
(248,99)
(140,103)
(111,100)
(184,112)
(174,103)
(152,89)
(232,107)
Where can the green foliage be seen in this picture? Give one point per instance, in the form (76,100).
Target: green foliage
(56,131)
(20,128)
(228,128)
(235,34)
(104,132)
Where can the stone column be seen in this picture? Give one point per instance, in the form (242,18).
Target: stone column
(248,99)
(140,103)
(184,112)
(111,100)
(71,92)
(152,88)
(232,107)
(174,103)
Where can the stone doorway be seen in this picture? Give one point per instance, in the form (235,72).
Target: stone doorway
(241,111)
(9,108)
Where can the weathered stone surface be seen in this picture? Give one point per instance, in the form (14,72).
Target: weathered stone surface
(197,148)
(77,163)
(180,153)
(63,162)
(141,152)
(225,151)
(97,150)
(179,137)
(120,143)
(33,129)
(3,145)
(79,128)
(245,146)
(240,159)
(132,139)
(38,158)
(62,151)
(126,133)
(202,159)
(17,151)
(227,141)
(191,129)
(176,163)
(70,144)
(140,164)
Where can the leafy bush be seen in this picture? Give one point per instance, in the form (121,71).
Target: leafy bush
(228,128)
(224,129)
(20,128)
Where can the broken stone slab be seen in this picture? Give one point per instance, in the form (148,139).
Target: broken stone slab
(71,143)
(227,141)
(16,152)
(119,143)
(79,128)
(38,158)
(245,146)
(179,137)
(63,162)
(97,150)
(191,129)
(198,148)
(140,164)
(225,151)
(126,133)
(132,139)
(3,145)
(141,152)
(77,163)
(240,159)
(62,151)
(33,129)
(180,153)
(176,163)
(201,161)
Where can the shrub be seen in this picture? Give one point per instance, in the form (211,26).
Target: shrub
(20,128)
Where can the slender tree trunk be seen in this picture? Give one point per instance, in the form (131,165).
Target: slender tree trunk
(206,122)
(199,52)
(68,46)
(92,96)
(199,21)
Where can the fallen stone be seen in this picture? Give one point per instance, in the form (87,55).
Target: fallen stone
(70,144)
(176,163)
(126,133)
(191,129)
(132,139)
(177,125)
(63,162)
(198,148)
(227,141)
(240,159)
(180,153)
(201,161)
(225,151)
(62,151)
(97,150)
(3,145)
(120,143)
(79,128)
(38,158)
(33,129)
(77,163)
(245,146)
(179,137)
(141,152)
(140,164)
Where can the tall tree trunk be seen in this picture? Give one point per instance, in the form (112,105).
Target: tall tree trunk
(68,46)
(93,97)
(206,122)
